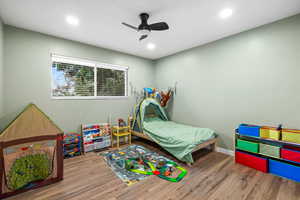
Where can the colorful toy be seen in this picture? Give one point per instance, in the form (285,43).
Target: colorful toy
(151,92)
(165,97)
(72,145)
(163,170)
(96,136)
(168,169)
(134,163)
(159,95)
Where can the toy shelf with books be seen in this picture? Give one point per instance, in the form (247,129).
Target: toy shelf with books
(269,149)
(96,136)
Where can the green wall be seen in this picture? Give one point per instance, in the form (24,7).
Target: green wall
(252,77)
(1,70)
(27,78)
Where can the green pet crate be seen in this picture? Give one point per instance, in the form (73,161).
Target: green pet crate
(247,145)
(269,150)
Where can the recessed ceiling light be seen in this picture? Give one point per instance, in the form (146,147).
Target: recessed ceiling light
(72,20)
(225,13)
(151,46)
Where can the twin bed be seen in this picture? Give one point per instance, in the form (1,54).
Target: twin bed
(150,122)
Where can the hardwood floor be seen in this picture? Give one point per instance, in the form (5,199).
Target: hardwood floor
(214,176)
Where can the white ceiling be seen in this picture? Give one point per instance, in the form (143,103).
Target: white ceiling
(192,22)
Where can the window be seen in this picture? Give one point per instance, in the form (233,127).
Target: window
(83,79)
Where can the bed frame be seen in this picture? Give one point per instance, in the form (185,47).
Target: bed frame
(209,143)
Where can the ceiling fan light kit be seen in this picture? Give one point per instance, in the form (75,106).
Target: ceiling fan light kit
(145,29)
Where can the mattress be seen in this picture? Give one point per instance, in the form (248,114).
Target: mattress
(178,139)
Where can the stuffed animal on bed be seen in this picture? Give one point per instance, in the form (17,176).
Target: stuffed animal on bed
(165,97)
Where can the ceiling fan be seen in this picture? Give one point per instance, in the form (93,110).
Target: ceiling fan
(144,28)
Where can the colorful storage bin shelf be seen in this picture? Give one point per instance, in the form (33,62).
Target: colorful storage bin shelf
(252,161)
(269,150)
(284,170)
(249,130)
(269,132)
(291,135)
(72,145)
(247,146)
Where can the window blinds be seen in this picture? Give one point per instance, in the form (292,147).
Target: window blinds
(79,78)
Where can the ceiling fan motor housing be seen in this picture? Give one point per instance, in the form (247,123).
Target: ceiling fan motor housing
(144,25)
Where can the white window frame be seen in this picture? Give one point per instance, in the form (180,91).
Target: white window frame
(89,63)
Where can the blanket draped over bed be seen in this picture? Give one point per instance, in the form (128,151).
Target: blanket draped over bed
(178,139)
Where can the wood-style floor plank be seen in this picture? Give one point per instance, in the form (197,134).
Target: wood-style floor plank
(214,176)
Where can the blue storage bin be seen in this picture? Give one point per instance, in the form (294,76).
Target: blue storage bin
(284,170)
(249,130)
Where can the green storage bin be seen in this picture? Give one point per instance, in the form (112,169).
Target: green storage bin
(247,145)
(269,150)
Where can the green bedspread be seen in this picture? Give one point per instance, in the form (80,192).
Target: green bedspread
(178,139)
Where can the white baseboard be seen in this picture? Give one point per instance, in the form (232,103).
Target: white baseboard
(225,151)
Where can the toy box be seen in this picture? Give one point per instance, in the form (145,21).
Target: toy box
(269,150)
(252,161)
(291,135)
(270,132)
(284,170)
(249,130)
(290,154)
(247,145)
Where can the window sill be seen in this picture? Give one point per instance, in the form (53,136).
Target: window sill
(91,98)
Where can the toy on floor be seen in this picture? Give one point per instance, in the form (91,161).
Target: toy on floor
(164,169)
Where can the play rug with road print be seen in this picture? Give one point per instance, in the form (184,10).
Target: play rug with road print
(135,163)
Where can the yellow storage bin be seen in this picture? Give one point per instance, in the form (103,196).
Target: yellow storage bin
(291,135)
(269,132)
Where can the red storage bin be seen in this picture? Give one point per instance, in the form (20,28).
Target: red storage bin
(252,161)
(290,154)
(291,147)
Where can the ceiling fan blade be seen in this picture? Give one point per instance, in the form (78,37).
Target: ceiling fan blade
(130,26)
(159,26)
(143,37)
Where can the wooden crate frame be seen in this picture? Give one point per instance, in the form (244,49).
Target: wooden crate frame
(59,161)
